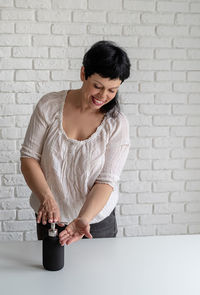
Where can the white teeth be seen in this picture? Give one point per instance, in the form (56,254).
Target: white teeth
(98,101)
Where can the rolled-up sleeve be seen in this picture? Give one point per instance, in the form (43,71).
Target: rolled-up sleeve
(116,153)
(35,134)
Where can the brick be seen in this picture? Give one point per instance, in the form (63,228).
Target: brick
(186,109)
(193,207)
(167,98)
(18,225)
(5,52)
(11,133)
(33,4)
(186,218)
(193,163)
(155,87)
(50,40)
(185,153)
(185,131)
(193,53)
(193,76)
(9,156)
(31,98)
(12,63)
(168,186)
(170,53)
(69,4)
(155,219)
(139,5)
(54,16)
(6,192)
(195,31)
(7,168)
(6,75)
(170,76)
(65,75)
(127,220)
(157,18)
(7,3)
(123,18)
(17,14)
(154,65)
(50,64)
(32,75)
(136,209)
(127,198)
(52,86)
(152,198)
(168,208)
(7,214)
(192,142)
(7,145)
(12,236)
(169,121)
(15,109)
(30,236)
(154,42)
(25,214)
(22,121)
(172,31)
(71,52)
(105,5)
(6,27)
(186,65)
(14,204)
(89,16)
(15,40)
(187,19)
(185,197)
(193,186)
(135,187)
(32,28)
(168,164)
(195,7)
(155,175)
(139,31)
(172,229)
(186,43)
(105,29)
(186,174)
(172,6)
(153,131)
(30,52)
(166,142)
(152,153)
(13,180)
(69,28)
(23,191)
(141,230)
(83,41)
(17,87)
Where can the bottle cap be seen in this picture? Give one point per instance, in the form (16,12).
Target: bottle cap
(53,231)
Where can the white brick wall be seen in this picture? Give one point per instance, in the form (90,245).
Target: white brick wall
(41,48)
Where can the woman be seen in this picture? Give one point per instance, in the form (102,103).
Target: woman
(75,148)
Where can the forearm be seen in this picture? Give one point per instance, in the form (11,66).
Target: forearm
(35,179)
(96,200)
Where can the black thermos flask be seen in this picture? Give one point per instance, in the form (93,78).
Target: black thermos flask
(52,251)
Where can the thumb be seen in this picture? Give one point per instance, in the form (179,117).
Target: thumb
(88,234)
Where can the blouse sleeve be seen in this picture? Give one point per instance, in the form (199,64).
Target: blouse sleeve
(116,153)
(35,134)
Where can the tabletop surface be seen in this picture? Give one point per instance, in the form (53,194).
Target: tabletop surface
(159,265)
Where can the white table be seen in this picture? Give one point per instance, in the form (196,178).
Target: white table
(165,265)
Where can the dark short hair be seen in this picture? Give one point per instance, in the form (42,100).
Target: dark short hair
(108,60)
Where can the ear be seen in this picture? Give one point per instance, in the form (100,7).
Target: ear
(82,73)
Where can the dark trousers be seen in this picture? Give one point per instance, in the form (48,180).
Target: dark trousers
(107,228)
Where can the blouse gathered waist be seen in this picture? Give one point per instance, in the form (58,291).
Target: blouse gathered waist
(71,167)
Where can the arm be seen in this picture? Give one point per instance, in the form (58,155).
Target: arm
(36,181)
(95,202)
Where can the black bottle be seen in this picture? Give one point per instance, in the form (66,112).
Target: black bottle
(52,251)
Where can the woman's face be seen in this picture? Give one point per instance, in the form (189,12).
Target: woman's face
(98,91)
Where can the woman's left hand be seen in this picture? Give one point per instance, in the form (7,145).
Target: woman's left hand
(75,231)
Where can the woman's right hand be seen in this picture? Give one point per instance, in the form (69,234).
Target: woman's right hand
(48,211)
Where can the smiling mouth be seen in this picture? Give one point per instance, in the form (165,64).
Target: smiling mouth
(97,101)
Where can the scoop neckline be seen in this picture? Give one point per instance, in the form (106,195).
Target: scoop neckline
(91,137)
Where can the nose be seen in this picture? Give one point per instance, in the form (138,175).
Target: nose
(102,94)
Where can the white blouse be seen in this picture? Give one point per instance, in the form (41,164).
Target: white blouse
(70,166)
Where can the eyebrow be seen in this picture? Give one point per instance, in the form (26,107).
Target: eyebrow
(103,85)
